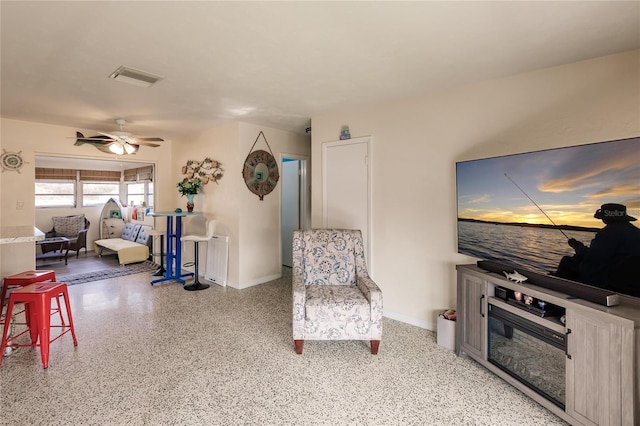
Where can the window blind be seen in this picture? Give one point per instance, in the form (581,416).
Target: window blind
(139,174)
(100,175)
(55,174)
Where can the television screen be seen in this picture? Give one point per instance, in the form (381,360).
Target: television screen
(532,210)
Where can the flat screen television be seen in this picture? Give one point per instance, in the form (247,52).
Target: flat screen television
(520,210)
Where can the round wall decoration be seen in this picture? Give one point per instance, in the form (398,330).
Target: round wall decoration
(11,161)
(260,171)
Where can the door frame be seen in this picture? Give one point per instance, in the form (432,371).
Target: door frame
(305,194)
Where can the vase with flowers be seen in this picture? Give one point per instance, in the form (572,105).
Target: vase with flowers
(189,188)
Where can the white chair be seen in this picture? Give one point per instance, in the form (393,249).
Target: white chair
(198,238)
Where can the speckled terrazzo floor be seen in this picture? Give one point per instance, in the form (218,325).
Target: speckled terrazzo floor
(164,356)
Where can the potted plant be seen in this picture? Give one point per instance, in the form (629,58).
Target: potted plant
(189,188)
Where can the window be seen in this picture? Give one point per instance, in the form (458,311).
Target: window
(150,194)
(135,194)
(98,193)
(139,185)
(139,193)
(71,188)
(55,194)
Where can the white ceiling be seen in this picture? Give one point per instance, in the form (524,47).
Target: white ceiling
(278,64)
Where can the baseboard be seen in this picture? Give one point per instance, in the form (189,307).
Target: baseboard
(247,284)
(410,320)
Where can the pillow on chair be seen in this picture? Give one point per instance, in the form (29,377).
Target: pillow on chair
(68,226)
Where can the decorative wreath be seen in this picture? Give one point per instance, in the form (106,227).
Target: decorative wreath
(207,170)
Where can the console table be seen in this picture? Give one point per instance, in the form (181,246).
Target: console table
(173,269)
(602,370)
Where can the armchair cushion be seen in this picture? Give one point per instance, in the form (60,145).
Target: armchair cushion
(130,231)
(331,261)
(68,226)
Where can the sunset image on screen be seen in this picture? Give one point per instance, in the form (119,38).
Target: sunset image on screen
(554,187)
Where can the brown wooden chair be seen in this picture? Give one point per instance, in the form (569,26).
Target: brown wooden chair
(74,228)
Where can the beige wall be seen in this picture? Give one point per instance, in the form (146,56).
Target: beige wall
(33,139)
(219,201)
(416,143)
(252,225)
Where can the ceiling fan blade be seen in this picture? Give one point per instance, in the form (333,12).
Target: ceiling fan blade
(112,137)
(92,139)
(104,140)
(150,139)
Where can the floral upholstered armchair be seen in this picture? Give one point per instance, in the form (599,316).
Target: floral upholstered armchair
(333,296)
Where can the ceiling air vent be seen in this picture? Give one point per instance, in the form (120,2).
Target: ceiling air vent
(135,77)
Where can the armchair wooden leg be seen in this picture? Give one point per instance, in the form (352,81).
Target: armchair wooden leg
(298,344)
(375,344)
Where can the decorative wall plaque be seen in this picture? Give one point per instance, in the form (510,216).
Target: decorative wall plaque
(11,161)
(207,170)
(260,171)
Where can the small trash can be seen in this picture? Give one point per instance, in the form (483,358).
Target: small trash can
(446,329)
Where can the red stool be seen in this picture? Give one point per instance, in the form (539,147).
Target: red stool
(37,299)
(25,278)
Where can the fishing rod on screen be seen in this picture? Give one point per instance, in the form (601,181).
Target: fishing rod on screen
(534,203)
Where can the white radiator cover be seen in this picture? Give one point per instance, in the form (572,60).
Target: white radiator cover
(217,259)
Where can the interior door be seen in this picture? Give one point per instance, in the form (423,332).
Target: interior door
(346,187)
(290,206)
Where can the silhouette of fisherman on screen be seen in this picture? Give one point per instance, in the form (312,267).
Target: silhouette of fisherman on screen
(612,260)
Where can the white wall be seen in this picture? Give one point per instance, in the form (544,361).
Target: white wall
(252,225)
(33,139)
(219,200)
(416,143)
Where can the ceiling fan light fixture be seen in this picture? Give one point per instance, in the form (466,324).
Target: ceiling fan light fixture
(116,148)
(135,77)
(129,148)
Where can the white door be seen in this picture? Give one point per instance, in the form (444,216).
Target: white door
(346,187)
(290,206)
(296,201)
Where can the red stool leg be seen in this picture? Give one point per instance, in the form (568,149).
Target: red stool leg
(59,310)
(65,294)
(31,319)
(43,309)
(5,287)
(5,331)
(4,293)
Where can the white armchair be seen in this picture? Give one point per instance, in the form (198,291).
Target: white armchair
(333,296)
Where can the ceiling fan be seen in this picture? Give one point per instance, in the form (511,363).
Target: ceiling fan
(118,142)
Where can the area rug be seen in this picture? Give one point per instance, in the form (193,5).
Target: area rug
(103,274)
